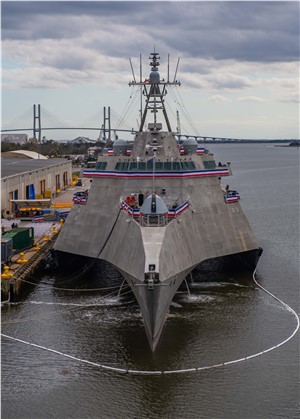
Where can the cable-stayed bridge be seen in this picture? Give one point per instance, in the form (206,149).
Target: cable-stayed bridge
(101,122)
(37,114)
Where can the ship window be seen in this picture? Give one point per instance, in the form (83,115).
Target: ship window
(167,165)
(122,166)
(188,165)
(137,166)
(159,165)
(209,164)
(176,165)
(150,165)
(142,165)
(133,166)
(101,165)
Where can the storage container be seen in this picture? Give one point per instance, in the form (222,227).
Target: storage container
(22,237)
(6,249)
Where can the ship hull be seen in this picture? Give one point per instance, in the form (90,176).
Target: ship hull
(154,301)
(154,257)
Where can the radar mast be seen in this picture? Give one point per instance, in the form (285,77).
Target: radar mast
(154,90)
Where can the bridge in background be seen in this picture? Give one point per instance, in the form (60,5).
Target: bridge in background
(105,131)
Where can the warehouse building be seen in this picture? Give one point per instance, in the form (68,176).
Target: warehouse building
(32,179)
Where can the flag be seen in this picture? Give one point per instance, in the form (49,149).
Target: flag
(38,218)
(232,196)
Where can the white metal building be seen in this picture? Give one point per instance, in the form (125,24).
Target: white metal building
(32,179)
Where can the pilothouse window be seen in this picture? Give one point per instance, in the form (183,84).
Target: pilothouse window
(122,166)
(101,165)
(209,164)
(188,165)
(170,166)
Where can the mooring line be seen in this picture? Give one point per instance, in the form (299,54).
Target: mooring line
(286,306)
(178,371)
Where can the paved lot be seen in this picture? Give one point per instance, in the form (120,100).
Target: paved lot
(66,196)
(41,229)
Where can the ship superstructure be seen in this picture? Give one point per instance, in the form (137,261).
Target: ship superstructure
(157,210)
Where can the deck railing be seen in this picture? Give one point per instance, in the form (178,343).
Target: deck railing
(154,220)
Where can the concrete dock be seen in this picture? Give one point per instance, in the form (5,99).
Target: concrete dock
(13,280)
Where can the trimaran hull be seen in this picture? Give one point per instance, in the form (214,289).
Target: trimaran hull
(157,212)
(175,250)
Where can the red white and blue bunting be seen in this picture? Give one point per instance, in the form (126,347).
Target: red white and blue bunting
(232,197)
(158,175)
(200,151)
(171,212)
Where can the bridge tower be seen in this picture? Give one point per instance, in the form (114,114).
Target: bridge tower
(106,120)
(178,129)
(37,128)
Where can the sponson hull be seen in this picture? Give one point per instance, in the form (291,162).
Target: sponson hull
(156,214)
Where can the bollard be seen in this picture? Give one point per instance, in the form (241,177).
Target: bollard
(22,258)
(46,238)
(61,222)
(7,273)
(37,246)
(54,231)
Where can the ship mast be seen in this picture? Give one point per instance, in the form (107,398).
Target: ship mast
(154,90)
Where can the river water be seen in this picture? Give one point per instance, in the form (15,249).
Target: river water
(219,322)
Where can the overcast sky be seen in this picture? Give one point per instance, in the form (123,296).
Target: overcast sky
(239,63)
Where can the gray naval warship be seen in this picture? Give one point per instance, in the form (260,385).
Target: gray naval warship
(156,211)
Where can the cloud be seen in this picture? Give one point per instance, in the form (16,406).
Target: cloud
(254,99)
(230,81)
(38,78)
(250,31)
(230,52)
(293,97)
(218,98)
(217,41)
